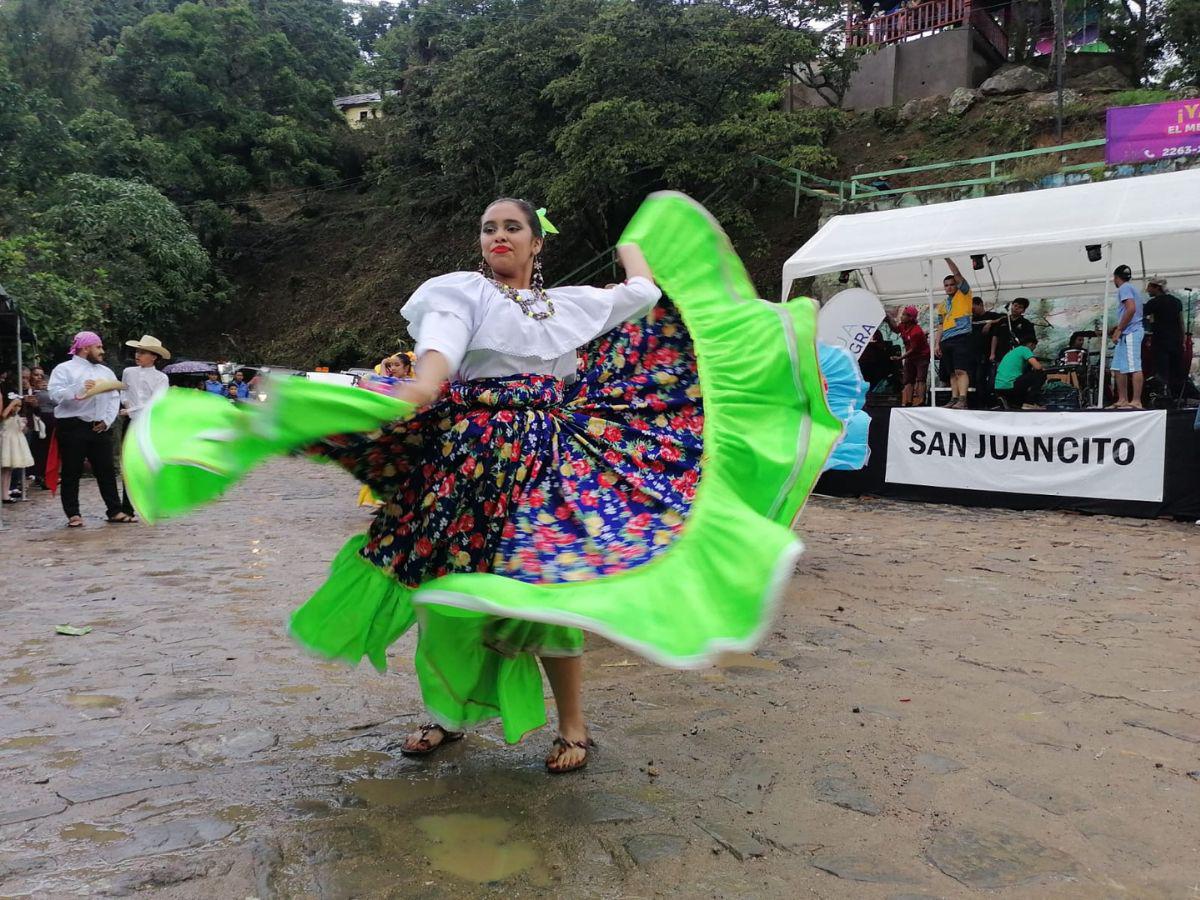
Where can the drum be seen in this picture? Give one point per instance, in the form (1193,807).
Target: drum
(1074,357)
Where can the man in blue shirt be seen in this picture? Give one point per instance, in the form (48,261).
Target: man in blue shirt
(213,384)
(1127,341)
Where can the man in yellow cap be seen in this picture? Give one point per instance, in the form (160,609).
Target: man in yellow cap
(143,384)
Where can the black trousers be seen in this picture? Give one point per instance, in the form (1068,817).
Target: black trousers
(77,442)
(1168,363)
(1026,389)
(982,379)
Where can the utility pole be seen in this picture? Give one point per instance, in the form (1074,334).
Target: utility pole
(1060,63)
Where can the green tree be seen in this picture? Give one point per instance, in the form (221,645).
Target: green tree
(373,22)
(110,145)
(321,33)
(55,305)
(131,248)
(110,17)
(48,47)
(1134,29)
(1182,31)
(234,99)
(35,143)
(591,104)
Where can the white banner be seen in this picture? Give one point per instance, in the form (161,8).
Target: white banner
(1101,455)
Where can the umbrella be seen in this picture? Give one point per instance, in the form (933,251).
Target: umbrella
(190,367)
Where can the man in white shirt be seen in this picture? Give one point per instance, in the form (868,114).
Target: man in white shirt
(144,384)
(85,416)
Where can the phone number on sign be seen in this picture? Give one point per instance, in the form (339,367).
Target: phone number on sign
(1181,151)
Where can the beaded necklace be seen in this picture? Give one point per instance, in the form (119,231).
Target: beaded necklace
(527,304)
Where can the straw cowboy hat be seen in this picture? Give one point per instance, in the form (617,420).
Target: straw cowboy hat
(150,343)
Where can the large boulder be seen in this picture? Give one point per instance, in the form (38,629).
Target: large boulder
(1014,80)
(961,100)
(920,108)
(1106,78)
(1047,104)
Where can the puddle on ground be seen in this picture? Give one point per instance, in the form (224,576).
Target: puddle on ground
(93,701)
(304,743)
(238,814)
(298,689)
(85,831)
(745,661)
(29,740)
(64,759)
(359,759)
(20,677)
(476,848)
(379,792)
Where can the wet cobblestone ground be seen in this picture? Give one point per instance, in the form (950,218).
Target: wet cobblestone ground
(952,703)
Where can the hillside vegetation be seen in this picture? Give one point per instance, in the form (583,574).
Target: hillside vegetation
(178,168)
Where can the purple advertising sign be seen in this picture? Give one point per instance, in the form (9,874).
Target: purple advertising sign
(1153,131)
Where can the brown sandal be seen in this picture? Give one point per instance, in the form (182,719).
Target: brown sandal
(561,742)
(448,737)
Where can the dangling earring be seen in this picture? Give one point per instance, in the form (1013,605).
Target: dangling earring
(485,269)
(537,282)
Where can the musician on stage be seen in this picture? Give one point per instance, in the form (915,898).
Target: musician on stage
(1164,314)
(1075,352)
(1011,331)
(1019,377)
(1127,341)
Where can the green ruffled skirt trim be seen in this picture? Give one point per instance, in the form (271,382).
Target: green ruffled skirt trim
(767,434)
(471,668)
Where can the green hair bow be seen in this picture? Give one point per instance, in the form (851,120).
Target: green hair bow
(547,225)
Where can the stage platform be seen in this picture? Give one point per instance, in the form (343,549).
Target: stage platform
(1143,464)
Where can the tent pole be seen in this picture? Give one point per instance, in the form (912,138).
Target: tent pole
(931,377)
(20,386)
(1104,328)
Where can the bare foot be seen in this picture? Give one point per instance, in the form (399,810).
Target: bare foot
(75,522)
(428,738)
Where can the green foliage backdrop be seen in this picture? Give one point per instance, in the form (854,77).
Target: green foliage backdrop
(135,135)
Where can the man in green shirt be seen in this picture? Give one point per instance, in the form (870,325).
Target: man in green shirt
(1019,377)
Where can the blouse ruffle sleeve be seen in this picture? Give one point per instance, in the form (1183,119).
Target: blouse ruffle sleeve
(606,307)
(632,300)
(443,314)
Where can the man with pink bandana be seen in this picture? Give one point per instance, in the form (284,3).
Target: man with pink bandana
(84,425)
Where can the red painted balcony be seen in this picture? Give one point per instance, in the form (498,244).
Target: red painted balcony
(922,19)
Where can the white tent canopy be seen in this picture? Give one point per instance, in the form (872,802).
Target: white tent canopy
(1035,240)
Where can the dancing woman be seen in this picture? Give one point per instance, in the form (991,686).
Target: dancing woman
(565,460)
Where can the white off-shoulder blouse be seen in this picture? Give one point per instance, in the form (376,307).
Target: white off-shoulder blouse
(484,334)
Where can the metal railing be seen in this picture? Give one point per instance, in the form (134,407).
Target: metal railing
(805,184)
(867,185)
(605,259)
(873,185)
